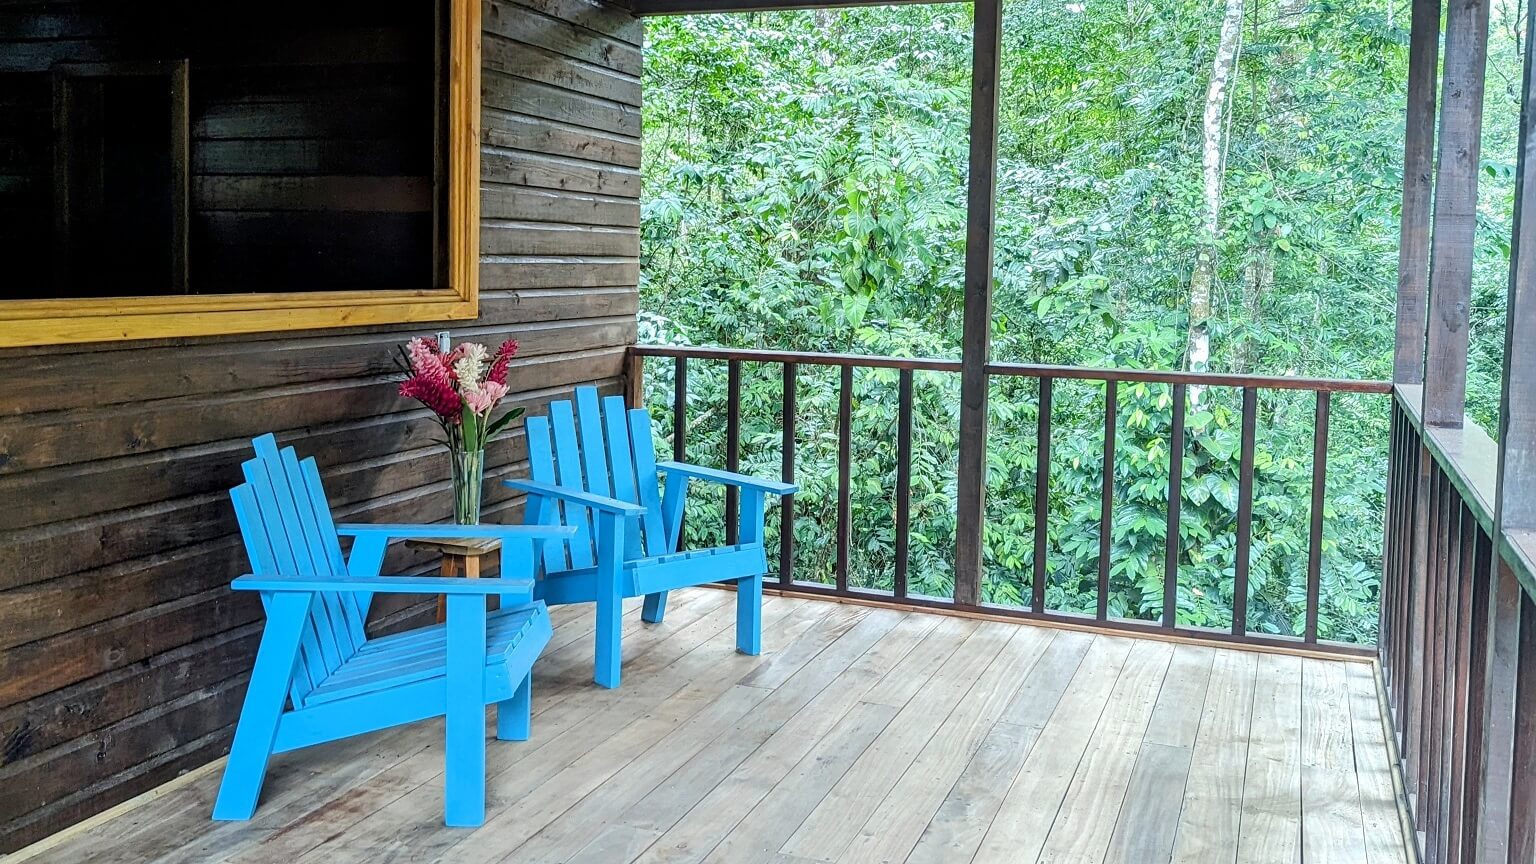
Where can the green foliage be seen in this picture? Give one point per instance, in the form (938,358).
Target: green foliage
(805,189)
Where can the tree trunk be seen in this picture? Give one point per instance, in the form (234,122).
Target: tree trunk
(1202,283)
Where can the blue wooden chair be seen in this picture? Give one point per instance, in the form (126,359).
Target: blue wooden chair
(600,476)
(318,676)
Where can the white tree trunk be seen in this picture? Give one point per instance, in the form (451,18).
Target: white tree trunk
(1202,283)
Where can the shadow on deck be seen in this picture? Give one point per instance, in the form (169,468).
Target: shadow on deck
(861,734)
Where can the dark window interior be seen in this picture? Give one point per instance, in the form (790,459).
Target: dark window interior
(115,184)
(309,157)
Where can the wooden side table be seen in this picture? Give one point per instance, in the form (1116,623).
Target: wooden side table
(460,558)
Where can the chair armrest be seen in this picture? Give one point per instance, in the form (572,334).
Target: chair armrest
(576,496)
(727,478)
(521,589)
(447,531)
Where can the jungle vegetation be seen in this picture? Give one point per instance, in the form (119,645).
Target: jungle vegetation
(1186,184)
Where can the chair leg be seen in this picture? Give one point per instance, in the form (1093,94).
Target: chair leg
(514,716)
(610,601)
(609,651)
(749,615)
(264,696)
(465,747)
(655,607)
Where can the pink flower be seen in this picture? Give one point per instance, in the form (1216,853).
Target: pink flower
(424,355)
(503,359)
(430,382)
(483,400)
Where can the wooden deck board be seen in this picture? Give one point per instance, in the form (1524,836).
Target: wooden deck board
(859,735)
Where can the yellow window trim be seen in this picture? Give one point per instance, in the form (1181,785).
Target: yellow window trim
(107,319)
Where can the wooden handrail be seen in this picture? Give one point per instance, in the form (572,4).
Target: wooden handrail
(1028,370)
(1035,603)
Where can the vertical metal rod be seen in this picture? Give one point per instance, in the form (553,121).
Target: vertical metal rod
(732,449)
(844,480)
(1240,567)
(903,479)
(1319,493)
(680,431)
(787,474)
(1041,573)
(1107,496)
(1175,502)
(680,409)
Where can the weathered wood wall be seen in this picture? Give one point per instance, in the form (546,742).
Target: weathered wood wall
(123,653)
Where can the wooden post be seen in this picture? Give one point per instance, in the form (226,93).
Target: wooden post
(634,380)
(1455,214)
(976,347)
(1516,501)
(1514,507)
(1418,187)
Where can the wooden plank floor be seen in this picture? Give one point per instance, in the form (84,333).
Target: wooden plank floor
(860,735)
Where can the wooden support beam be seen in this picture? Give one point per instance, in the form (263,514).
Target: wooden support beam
(1455,214)
(1515,507)
(1418,188)
(976,339)
(1514,510)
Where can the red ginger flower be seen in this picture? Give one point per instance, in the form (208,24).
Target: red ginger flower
(432,383)
(504,355)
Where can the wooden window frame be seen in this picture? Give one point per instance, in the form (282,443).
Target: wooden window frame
(80,320)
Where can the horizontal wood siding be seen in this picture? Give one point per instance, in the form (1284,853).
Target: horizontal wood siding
(123,653)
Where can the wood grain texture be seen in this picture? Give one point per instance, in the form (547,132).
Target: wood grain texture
(119,631)
(709,755)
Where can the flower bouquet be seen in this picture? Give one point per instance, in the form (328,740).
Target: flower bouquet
(462,387)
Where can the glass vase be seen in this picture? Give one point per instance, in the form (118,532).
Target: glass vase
(468,478)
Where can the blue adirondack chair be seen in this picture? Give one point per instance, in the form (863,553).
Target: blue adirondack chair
(318,677)
(601,477)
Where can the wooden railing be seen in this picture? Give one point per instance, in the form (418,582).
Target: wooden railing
(1251,386)
(1458,645)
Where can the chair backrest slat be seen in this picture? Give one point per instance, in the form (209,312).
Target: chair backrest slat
(568,464)
(285,503)
(332,654)
(314,651)
(333,608)
(355,612)
(596,445)
(649,483)
(622,468)
(256,535)
(594,455)
(541,467)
